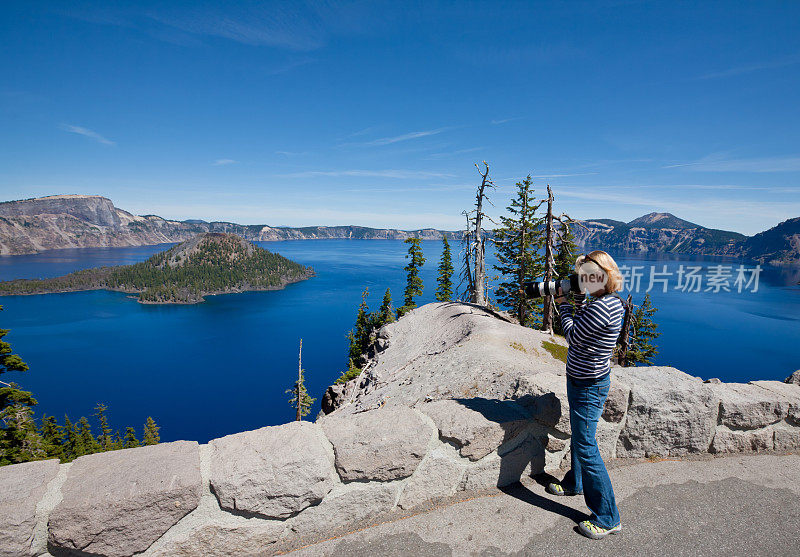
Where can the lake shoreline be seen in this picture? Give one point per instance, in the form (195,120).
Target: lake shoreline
(164,303)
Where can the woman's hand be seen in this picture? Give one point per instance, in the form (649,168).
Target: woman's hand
(560,298)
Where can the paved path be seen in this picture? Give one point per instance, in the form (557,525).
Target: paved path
(743,505)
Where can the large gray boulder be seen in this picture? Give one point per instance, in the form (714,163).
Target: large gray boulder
(499,469)
(346,505)
(118,503)
(787,438)
(545,396)
(439,475)
(274,471)
(736,441)
(383,444)
(748,406)
(22,486)
(670,413)
(222,538)
(616,405)
(787,391)
(477,426)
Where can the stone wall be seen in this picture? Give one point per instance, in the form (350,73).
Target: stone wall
(279,487)
(501,412)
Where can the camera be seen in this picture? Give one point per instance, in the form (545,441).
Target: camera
(534,289)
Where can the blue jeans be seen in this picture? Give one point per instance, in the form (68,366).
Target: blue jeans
(588,474)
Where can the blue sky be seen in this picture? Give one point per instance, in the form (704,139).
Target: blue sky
(324,113)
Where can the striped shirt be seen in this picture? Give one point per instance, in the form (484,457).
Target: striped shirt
(591,333)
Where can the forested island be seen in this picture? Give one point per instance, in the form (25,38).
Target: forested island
(209,263)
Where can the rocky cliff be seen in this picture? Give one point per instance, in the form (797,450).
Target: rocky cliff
(666,233)
(76,221)
(455,400)
(780,245)
(656,232)
(81,221)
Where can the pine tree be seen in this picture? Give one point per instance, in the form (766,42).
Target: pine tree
(71,440)
(130,438)
(300,399)
(150,436)
(643,332)
(518,243)
(116,441)
(414,284)
(87,444)
(360,338)
(351,373)
(104,439)
(565,264)
(444,292)
(19,438)
(53,436)
(385,313)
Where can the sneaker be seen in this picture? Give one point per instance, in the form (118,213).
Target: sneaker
(592,530)
(556,489)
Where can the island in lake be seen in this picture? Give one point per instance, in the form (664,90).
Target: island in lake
(209,263)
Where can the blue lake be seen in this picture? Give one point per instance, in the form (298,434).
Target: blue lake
(223,366)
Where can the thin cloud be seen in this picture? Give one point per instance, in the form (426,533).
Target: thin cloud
(505,120)
(86,132)
(223,162)
(400,174)
(360,132)
(274,26)
(717,163)
(405,137)
(291,153)
(299,26)
(453,153)
(563,175)
(290,65)
(753,68)
(420,189)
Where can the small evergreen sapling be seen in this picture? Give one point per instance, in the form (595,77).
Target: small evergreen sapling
(300,399)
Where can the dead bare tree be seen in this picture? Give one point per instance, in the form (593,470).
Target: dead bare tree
(551,234)
(466,265)
(476,240)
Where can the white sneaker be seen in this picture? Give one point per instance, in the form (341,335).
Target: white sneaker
(592,530)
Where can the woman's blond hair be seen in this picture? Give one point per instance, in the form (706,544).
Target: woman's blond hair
(607,263)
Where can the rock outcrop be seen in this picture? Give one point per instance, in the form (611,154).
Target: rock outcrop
(455,402)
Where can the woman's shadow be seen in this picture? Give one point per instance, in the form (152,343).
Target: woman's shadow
(514,462)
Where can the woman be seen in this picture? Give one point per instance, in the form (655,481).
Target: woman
(591,332)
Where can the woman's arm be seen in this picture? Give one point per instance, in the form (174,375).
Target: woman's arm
(586,323)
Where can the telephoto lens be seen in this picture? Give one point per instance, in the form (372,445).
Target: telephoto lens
(534,289)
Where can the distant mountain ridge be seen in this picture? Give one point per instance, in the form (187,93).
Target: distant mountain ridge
(75,221)
(79,221)
(666,233)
